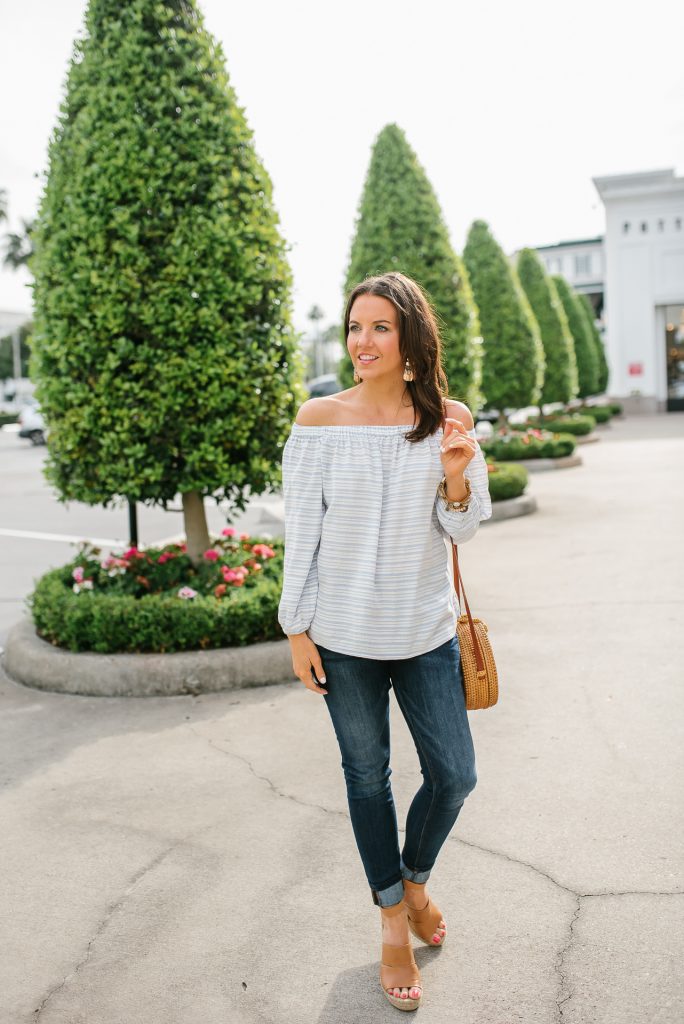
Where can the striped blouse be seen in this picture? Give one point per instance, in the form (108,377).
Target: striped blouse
(367,549)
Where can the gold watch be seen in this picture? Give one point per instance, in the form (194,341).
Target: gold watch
(454,506)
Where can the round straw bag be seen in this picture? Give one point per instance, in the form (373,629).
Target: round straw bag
(478,668)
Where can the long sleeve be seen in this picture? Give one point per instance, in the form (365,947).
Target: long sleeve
(462,526)
(304,511)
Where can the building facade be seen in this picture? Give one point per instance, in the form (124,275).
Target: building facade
(644,288)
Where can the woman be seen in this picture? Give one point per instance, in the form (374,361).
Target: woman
(367,601)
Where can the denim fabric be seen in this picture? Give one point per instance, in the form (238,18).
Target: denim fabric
(429,690)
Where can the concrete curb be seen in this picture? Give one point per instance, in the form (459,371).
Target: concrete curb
(34,662)
(511,508)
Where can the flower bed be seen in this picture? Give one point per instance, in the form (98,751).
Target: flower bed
(579,425)
(527,443)
(156,600)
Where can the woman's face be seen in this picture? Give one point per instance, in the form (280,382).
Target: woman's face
(374,330)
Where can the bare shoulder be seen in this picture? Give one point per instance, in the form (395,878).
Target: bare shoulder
(316,412)
(459,411)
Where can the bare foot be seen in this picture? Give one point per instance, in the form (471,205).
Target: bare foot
(416,897)
(395,931)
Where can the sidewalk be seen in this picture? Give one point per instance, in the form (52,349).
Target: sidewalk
(191,860)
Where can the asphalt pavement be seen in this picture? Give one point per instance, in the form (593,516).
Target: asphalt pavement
(181,860)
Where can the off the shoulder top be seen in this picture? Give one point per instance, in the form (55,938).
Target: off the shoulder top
(367,549)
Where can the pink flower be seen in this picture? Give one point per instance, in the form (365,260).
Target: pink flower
(133,552)
(229,574)
(211,555)
(244,536)
(187,592)
(263,550)
(78,574)
(229,531)
(164,557)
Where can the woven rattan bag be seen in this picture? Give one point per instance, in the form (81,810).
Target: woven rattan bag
(478,668)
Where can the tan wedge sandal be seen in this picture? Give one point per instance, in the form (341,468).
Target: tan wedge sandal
(398,968)
(425,923)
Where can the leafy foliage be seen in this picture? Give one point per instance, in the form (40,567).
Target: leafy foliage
(400,227)
(585,346)
(513,370)
(163,337)
(588,312)
(157,600)
(560,374)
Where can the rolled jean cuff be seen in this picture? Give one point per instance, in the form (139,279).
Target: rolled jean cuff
(388,897)
(414,876)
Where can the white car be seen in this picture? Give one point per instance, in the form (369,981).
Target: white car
(32,424)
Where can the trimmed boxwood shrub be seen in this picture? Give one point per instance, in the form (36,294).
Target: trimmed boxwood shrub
(8,417)
(538,445)
(578,425)
(137,604)
(506,481)
(400,227)
(600,413)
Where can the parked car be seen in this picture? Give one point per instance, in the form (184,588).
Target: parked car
(326,384)
(32,424)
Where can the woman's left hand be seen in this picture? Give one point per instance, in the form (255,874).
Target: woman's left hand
(457,447)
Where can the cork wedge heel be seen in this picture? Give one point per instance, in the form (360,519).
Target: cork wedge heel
(398,968)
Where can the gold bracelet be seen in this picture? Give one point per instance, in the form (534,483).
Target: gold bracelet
(454,506)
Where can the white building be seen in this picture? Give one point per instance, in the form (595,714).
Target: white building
(634,276)
(644,288)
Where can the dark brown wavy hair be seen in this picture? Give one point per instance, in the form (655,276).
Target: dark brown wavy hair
(419,342)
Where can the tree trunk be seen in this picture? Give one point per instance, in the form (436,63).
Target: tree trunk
(196,530)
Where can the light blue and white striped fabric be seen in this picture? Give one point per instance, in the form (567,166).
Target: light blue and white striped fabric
(366,539)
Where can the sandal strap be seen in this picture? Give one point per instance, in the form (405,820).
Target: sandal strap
(398,968)
(429,916)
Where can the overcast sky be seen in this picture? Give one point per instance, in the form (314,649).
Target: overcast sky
(511,108)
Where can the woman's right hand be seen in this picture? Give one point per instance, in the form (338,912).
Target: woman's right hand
(305,656)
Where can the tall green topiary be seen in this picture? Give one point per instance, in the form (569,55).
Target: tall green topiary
(513,370)
(588,311)
(163,341)
(585,347)
(400,227)
(560,374)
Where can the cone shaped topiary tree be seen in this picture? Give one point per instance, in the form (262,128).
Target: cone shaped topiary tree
(400,227)
(163,341)
(560,374)
(588,311)
(585,346)
(513,368)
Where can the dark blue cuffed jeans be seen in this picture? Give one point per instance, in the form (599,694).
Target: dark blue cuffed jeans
(429,691)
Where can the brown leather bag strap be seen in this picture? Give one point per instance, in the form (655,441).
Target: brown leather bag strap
(458,584)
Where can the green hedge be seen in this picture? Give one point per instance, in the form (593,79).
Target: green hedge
(133,602)
(8,417)
(577,425)
(506,481)
(512,447)
(600,413)
(111,623)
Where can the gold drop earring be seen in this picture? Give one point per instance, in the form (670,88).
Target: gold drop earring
(357,379)
(408,372)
